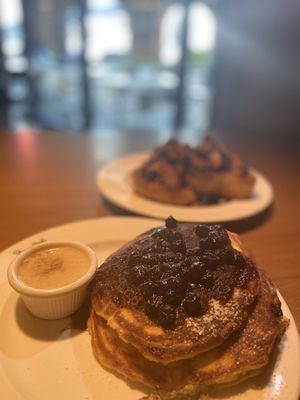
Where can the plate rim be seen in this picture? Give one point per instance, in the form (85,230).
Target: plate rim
(159,207)
(294,335)
(75,222)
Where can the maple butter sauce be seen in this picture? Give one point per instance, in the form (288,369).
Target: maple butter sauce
(53,267)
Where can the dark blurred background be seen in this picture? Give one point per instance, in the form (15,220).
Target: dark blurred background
(150,65)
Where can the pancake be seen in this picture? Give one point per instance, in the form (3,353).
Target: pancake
(114,354)
(243,355)
(176,291)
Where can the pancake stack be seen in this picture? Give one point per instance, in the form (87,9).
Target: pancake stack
(182,309)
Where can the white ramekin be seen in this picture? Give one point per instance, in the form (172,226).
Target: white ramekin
(53,303)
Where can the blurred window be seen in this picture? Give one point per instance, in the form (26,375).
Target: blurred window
(170,51)
(109,64)
(108,30)
(11,20)
(201,42)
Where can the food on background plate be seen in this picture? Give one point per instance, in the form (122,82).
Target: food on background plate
(180,174)
(181,309)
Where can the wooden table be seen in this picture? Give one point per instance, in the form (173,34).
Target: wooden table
(49,179)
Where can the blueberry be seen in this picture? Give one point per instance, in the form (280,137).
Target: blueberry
(137,274)
(178,245)
(210,259)
(166,316)
(195,251)
(207,280)
(173,282)
(194,304)
(194,272)
(147,259)
(150,175)
(175,268)
(201,231)
(218,239)
(239,260)
(227,256)
(165,267)
(171,223)
(148,288)
(276,310)
(133,259)
(154,273)
(204,243)
(152,305)
(222,291)
(173,297)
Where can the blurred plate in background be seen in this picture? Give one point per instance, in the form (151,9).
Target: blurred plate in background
(114,182)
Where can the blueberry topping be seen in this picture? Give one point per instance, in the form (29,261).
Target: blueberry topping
(172,281)
(202,231)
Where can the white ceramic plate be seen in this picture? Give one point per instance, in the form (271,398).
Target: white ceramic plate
(114,182)
(46,360)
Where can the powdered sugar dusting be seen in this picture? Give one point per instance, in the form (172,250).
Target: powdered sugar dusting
(218,316)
